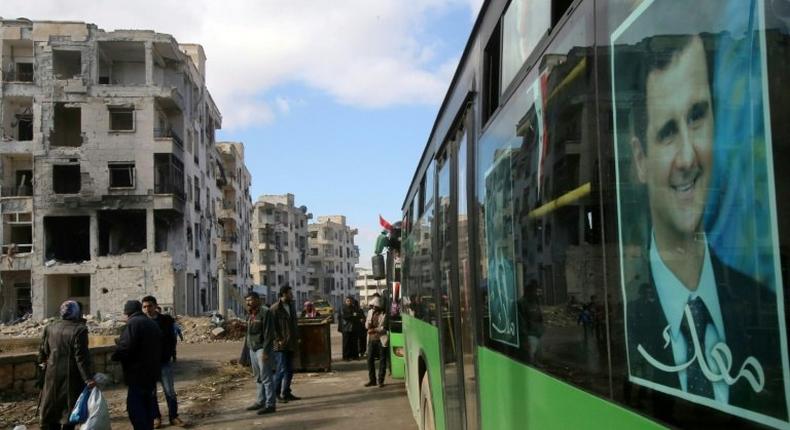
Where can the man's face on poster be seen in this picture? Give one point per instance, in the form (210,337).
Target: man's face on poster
(675,162)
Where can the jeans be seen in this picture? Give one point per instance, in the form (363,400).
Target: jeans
(376,349)
(170,393)
(139,406)
(285,372)
(262,371)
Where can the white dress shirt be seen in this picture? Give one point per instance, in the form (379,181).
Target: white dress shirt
(674,296)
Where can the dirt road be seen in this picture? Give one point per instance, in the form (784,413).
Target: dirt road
(214,394)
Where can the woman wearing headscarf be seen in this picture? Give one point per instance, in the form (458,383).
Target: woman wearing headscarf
(64,351)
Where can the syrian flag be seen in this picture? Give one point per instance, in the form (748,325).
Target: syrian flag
(387,226)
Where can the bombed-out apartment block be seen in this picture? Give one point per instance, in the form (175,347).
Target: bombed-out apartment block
(279,243)
(109,169)
(234,213)
(332,257)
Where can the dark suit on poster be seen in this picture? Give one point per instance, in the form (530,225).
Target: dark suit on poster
(751,326)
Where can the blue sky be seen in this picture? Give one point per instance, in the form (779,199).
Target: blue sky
(334,100)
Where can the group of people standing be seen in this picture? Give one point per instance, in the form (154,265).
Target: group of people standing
(366,333)
(146,350)
(271,340)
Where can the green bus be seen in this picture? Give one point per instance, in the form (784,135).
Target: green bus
(596,233)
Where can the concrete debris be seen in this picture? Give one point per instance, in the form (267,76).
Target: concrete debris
(194,329)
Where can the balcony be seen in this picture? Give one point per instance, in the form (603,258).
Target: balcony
(162,135)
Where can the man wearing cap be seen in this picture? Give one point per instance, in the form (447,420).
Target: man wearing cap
(140,352)
(67,362)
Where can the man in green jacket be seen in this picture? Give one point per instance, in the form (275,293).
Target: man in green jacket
(259,338)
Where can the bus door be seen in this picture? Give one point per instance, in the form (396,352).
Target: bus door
(447,247)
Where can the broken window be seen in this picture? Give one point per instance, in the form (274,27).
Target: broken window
(17,233)
(66,64)
(121,175)
(67,238)
(121,231)
(121,63)
(121,118)
(67,130)
(66,178)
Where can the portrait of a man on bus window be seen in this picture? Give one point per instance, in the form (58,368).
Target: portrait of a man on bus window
(699,247)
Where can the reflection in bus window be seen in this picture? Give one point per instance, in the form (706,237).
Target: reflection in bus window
(540,265)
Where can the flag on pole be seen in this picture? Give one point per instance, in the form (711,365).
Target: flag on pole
(387,226)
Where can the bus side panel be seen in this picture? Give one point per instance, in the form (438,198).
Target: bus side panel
(514,396)
(396,363)
(423,339)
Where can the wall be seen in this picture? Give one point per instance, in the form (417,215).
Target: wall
(18,371)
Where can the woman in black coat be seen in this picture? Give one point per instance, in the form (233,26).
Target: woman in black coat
(348,320)
(64,349)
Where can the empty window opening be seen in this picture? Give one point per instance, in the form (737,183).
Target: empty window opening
(121,118)
(66,179)
(121,175)
(121,231)
(67,238)
(67,130)
(66,64)
(121,63)
(59,288)
(17,233)
(18,118)
(168,231)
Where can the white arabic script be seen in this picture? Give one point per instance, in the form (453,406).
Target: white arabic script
(720,355)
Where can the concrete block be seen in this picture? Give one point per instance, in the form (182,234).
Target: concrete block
(24,371)
(6,376)
(217,332)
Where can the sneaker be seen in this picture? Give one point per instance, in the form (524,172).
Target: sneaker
(291,397)
(370,384)
(381,384)
(254,407)
(267,410)
(282,399)
(157,423)
(178,422)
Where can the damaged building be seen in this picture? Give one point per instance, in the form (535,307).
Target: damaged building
(280,243)
(234,213)
(110,172)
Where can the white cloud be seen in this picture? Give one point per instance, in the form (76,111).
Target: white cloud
(362,52)
(283,105)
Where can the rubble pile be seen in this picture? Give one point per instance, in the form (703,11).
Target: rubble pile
(35,328)
(193,329)
(208,330)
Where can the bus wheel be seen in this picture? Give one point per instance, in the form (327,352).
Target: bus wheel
(426,405)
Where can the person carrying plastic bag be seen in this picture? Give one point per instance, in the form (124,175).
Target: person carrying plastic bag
(66,361)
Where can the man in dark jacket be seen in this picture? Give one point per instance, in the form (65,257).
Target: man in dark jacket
(285,343)
(64,350)
(259,339)
(166,325)
(140,352)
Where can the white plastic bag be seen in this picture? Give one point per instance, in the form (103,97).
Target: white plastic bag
(98,413)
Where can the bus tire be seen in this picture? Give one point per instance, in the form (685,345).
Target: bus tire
(426,405)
